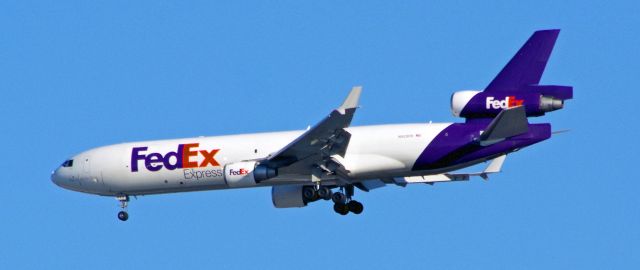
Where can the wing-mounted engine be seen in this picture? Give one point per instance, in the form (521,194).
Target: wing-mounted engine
(247,173)
(287,196)
(517,84)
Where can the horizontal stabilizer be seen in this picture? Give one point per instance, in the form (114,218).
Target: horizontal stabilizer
(508,123)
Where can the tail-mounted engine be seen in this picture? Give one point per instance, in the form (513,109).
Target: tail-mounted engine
(537,101)
(517,84)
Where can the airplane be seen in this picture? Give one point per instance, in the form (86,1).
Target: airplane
(332,159)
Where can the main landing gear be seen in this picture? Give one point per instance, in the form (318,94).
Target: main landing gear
(312,194)
(124,202)
(343,202)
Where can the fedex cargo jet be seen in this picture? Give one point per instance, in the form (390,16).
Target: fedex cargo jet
(332,159)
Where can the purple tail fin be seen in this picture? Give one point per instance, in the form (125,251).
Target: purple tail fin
(527,66)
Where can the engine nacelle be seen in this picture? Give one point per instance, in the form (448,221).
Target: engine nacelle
(247,173)
(478,104)
(287,196)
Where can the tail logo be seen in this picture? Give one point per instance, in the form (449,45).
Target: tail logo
(506,103)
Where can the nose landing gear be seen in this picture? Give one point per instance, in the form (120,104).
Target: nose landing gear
(124,202)
(122,215)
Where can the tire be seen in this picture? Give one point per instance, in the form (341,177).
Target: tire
(339,197)
(324,193)
(309,194)
(341,208)
(122,215)
(355,207)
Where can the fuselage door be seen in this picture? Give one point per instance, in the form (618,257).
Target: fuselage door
(91,178)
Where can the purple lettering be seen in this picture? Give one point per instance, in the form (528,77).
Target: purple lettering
(152,159)
(135,156)
(178,160)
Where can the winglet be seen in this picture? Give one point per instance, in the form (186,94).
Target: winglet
(351,101)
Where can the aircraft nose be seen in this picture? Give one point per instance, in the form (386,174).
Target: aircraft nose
(55,177)
(62,176)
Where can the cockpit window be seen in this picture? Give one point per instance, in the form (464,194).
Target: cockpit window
(68,163)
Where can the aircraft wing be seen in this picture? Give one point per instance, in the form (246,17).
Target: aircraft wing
(494,167)
(326,138)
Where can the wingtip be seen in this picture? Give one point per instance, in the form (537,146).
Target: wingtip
(352,99)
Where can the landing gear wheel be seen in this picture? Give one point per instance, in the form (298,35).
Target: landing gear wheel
(324,193)
(124,201)
(122,215)
(341,208)
(355,207)
(339,197)
(310,194)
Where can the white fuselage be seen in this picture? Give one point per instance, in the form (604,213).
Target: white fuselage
(373,152)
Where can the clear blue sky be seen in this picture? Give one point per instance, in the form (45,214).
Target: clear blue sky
(79,74)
